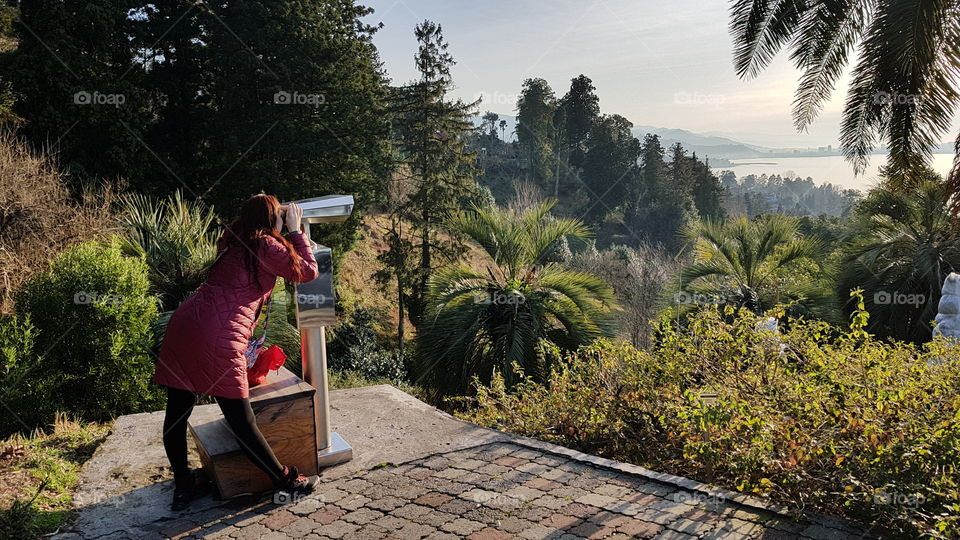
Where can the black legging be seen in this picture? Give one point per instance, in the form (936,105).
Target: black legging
(240,419)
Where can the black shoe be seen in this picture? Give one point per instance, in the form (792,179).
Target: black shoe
(186,488)
(293,485)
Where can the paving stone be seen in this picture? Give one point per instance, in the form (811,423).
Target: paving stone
(613,490)
(594,499)
(532,512)
(513,524)
(483,514)
(252,532)
(419,473)
(411,511)
(670,534)
(415,531)
(588,529)
(537,532)
(560,521)
(558,475)
(362,516)
(434,518)
(327,514)
(457,506)
(278,520)
(451,473)
(387,504)
(433,499)
(492,469)
(301,527)
(441,535)
(337,529)
(638,528)
(549,501)
(510,461)
(462,526)
(490,533)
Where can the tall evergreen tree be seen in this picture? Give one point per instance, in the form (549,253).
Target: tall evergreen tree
(293,104)
(78,86)
(579,109)
(535,129)
(431,131)
(610,165)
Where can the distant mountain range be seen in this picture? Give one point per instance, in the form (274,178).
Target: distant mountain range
(717,148)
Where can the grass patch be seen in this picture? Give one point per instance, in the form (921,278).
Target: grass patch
(340,380)
(39,473)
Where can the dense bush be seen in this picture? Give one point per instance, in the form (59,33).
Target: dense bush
(836,421)
(93,317)
(39,217)
(354,348)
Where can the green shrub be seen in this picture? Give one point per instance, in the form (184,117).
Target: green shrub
(93,317)
(354,348)
(836,421)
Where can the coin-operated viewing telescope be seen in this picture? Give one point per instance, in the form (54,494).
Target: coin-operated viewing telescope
(315,311)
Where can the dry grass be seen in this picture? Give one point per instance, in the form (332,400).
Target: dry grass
(38,216)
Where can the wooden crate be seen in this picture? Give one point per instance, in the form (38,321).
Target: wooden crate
(283,406)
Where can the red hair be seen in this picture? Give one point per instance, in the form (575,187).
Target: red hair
(258,214)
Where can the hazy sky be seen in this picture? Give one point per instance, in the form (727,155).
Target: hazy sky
(658,63)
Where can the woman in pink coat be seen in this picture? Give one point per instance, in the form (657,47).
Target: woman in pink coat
(203,349)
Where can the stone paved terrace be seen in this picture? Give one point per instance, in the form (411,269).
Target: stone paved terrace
(419,473)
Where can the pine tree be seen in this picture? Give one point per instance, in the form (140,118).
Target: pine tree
(77,85)
(536,130)
(609,166)
(431,131)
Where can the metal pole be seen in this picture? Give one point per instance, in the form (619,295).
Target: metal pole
(313,345)
(331,447)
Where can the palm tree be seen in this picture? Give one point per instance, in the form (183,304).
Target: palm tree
(754,264)
(899,249)
(903,89)
(494,318)
(177,238)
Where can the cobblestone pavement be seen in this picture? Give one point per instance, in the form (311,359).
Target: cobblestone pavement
(493,491)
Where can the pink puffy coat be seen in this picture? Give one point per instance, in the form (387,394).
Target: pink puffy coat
(207,335)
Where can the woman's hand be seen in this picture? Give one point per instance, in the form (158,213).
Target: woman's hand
(294,214)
